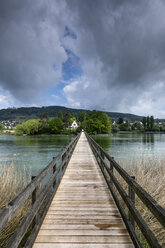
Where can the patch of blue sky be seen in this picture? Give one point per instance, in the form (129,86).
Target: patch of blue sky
(71,69)
(54,96)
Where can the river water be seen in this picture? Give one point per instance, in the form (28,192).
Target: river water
(134,147)
(33,153)
(30,153)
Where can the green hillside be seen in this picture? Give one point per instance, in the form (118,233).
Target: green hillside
(25,113)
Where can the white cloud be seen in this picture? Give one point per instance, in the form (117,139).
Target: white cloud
(121,47)
(151,102)
(55,96)
(72,87)
(30,47)
(69,92)
(4,101)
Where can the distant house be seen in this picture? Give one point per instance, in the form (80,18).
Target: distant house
(74,124)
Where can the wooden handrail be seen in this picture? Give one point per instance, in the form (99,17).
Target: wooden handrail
(8,211)
(151,204)
(148,201)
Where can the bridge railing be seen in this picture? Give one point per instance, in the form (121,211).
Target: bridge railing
(108,166)
(40,199)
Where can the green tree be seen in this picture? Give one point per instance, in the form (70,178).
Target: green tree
(76,116)
(66,119)
(72,119)
(137,126)
(60,115)
(144,121)
(82,116)
(151,123)
(98,122)
(20,130)
(125,127)
(115,128)
(29,127)
(44,118)
(148,123)
(162,128)
(83,125)
(55,126)
(32,126)
(94,126)
(1,127)
(156,128)
(120,120)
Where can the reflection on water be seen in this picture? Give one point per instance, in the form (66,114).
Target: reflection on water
(133,147)
(148,138)
(34,152)
(103,141)
(31,153)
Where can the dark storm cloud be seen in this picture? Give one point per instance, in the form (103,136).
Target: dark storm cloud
(127,40)
(128,36)
(29,47)
(120,46)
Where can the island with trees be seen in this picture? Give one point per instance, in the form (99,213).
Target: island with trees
(147,124)
(96,122)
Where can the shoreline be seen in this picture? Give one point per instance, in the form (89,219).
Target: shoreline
(103,134)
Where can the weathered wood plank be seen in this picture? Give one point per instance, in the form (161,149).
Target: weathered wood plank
(83,213)
(88,217)
(82,208)
(83,205)
(157,210)
(83,201)
(71,245)
(84,239)
(82,221)
(9,210)
(83,227)
(116,232)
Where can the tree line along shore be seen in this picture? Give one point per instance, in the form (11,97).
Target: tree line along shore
(95,122)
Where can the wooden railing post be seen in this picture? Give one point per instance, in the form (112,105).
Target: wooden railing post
(68,153)
(111,169)
(102,156)
(131,193)
(63,158)
(34,197)
(54,170)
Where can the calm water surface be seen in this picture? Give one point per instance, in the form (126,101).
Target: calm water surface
(133,147)
(33,153)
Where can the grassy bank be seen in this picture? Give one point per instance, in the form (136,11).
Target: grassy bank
(150,174)
(12,181)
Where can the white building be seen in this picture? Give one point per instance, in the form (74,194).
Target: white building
(74,124)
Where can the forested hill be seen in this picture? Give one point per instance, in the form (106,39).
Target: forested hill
(25,113)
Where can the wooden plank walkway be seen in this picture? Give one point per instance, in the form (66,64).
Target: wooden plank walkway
(83,213)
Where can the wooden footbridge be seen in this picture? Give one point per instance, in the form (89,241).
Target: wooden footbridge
(80,206)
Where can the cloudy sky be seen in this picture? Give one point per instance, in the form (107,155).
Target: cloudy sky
(93,54)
